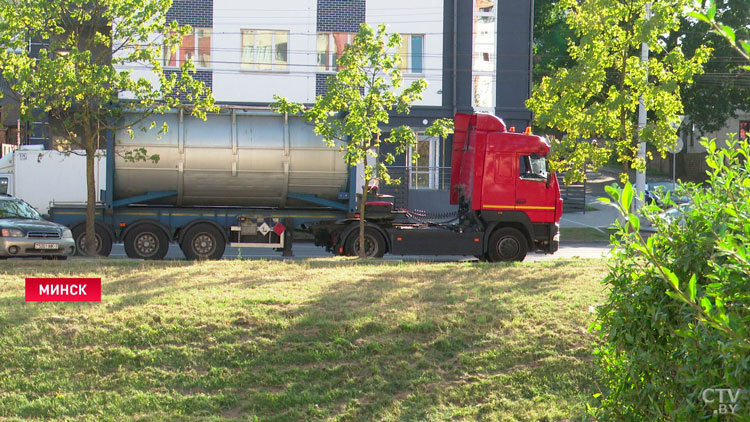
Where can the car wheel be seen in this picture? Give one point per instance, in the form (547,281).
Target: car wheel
(507,244)
(146,241)
(102,238)
(374,244)
(203,241)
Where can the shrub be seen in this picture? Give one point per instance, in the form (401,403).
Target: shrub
(676,323)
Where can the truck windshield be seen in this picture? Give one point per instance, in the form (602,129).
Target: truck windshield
(13,208)
(533,167)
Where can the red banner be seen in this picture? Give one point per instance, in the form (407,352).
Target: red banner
(63,289)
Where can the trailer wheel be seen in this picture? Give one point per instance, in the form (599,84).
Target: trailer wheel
(374,244)
(507,244)
(203,242)
(146,241)
(102,238)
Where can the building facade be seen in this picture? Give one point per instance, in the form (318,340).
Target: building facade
(474,54)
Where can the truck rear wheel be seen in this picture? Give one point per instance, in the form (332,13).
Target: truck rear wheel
(374,244)
(203,241)
(102,238)
(507,244)
(146,241)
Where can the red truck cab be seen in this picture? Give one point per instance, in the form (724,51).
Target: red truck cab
(508,204)
(502,176)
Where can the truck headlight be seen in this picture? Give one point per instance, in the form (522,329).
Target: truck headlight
(12,233)
(67,234)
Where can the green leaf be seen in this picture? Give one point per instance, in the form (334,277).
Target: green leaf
(706,304)
(672,278)
(699,16)
(728,32)
(711,12)
(626,199)
(746,46)
(635,222)
(692,286)
(675,296)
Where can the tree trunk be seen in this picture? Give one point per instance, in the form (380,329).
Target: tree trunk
(90,201)
(362,249)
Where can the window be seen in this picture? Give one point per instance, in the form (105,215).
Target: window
(744,129)
(330,47)
(195,46)
(533,167)
(411,52)
(265,50)
(3,185)
(484,58)
(425,172)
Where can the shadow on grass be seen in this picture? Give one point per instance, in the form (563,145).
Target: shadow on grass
(381,342)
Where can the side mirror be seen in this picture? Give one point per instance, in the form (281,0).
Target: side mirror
(45,216)
(549,179)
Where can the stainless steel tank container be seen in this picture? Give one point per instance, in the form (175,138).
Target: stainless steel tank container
(240,157)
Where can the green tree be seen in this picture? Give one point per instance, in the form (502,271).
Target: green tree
(84,71)
(715,96)
(552,37)
(366,88)
(725,86)
(737,36)
(599,96)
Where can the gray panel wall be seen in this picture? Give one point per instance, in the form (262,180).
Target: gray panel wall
(514,47)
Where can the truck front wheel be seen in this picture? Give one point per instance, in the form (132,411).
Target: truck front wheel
(146,241)
(507,244)
(203,242)
(374,244)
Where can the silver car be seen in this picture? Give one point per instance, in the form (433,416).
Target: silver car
(24,233)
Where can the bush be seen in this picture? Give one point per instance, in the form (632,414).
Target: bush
(675,326)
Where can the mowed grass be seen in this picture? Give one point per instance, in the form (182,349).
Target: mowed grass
(326,339)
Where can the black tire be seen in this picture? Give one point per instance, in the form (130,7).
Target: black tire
(146,241)
(203,241)
(374,244)
(103,240)
(507,244)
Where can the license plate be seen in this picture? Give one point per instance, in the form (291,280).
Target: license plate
(45,246)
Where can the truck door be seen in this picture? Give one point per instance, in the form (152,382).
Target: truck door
(534,195)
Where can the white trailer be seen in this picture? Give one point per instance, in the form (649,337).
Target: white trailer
(43,177)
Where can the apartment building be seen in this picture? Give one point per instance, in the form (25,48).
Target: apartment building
(474,54)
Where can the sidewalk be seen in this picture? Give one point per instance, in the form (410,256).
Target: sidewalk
(604,214)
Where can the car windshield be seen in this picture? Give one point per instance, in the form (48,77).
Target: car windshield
(14,208)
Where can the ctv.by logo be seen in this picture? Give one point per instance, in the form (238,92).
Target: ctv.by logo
(724,398)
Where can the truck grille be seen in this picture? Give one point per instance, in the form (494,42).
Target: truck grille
(43,235)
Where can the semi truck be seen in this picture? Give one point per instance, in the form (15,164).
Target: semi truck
(248,176)
(42,177)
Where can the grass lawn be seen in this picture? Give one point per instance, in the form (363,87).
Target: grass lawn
(321,339)
(584,234)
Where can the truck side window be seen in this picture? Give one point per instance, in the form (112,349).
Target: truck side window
(533,167)
(3,185)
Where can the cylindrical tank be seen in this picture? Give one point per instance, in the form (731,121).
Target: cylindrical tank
(240,157)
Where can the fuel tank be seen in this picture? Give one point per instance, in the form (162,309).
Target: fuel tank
(240,157)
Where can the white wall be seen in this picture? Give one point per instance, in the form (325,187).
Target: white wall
(235,85)
(231,84)
(732,126)
(416,17)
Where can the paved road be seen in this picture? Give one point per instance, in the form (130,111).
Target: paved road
(308,250)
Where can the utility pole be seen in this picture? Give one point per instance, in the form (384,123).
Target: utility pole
(640,177)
